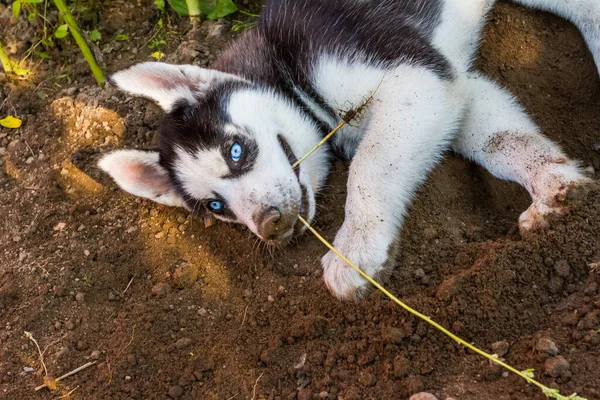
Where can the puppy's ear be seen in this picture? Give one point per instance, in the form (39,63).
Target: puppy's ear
(165,83)
(139,173)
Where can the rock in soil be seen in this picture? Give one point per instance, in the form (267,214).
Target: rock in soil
(500,348)
(161,289)
(545,345)
(305,394)
(562,268)
(175,392)
(557,366)
(423,396)
(183,343)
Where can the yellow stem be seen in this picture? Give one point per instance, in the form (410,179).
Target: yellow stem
(321,143)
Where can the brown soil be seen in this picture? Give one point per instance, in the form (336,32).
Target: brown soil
(168,306)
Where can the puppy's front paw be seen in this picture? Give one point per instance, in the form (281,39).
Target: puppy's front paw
(364,250)
(555,202)
(341,279)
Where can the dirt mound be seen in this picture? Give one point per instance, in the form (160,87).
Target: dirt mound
(168,307)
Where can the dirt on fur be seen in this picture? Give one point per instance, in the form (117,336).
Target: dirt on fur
(171,308)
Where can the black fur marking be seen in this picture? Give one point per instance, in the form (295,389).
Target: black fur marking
(287,149)
(199,126)
(303,210)
(291,34)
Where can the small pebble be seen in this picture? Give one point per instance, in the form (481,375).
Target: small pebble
(70,325)
(545,345)
(430,233)
(270,299)
(562,268)
(591,289)
(119,129)
(500,348)
(81,345)
(305,394)
(60,226)
(79,297)
(557,366)
(202,312)
(183,343)
(423,396)
(161,289)
(323,395)
(29,160)
(420,273)
(95,355)
(28,369)
(555,284)
(175,392)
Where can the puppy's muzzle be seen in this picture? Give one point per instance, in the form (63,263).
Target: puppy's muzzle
(273,226)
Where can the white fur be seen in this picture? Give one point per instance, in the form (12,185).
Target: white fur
(457,36)
(413,115)
(499,135)
(348,85)
(201,171)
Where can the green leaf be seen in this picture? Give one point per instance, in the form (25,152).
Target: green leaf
(158,55)
(11,122)
(160,4)
(62,31)
(529,373)
(42,54)
(31,1)
(222,9)
(180,7)
(95,35)
(16,8)
(121,37)
(157,44)
(32,16)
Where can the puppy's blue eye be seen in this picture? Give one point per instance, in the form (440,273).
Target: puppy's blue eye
(236,151)
(215,205)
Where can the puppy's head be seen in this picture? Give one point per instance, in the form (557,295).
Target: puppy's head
(226,148)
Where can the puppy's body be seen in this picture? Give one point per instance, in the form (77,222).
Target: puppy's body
(232,132)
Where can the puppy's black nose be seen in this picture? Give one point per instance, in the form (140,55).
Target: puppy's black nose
(269,224)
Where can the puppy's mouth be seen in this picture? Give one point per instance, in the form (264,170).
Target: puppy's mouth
(303,211)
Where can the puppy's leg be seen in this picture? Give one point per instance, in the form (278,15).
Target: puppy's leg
(499,135)
(585,14)
(411,121)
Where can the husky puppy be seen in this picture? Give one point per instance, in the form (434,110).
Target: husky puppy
(232,132)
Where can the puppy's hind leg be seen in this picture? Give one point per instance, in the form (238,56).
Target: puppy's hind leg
(585,14)
(499,135)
